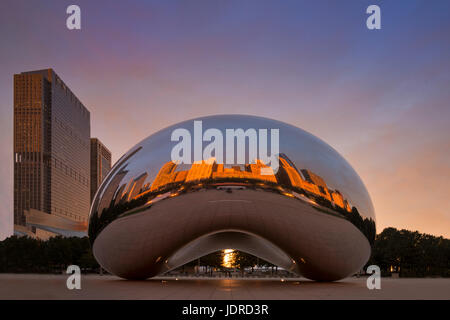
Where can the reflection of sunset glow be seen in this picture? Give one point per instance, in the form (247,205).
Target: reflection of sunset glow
(228,258)
(288,194)
(302,184)
(288,175)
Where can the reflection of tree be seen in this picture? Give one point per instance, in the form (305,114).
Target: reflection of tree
(212,260)
(97,223)
(241,260)
(365,225)
(244,260)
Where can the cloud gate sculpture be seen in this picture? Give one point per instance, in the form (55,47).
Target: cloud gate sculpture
(308,211)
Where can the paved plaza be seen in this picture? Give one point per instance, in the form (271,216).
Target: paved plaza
(32,286)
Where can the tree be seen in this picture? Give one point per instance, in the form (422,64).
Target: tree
(412,254)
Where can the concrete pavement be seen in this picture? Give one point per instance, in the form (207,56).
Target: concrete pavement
(33,286)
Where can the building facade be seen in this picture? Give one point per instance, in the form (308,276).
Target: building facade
(100,164)
(51,150)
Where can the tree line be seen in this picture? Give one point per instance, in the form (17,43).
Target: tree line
(411,254)
(29,255)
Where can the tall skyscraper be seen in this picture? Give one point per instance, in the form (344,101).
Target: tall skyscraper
(100,164)
(51,153)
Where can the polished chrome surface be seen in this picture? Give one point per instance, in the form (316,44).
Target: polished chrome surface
(313,216)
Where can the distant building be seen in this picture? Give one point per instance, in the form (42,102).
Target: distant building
(51,156)
(100,164)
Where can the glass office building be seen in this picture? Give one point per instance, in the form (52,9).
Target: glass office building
(100,164)
(51,155)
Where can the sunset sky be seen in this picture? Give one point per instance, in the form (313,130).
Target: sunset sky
(380,98)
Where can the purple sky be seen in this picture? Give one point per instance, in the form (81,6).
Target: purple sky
(381,98)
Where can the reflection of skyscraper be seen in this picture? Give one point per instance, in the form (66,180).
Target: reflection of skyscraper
(181,176)
(111,190)
(347,206)
(119,169)
(311,177)
(100,164)
(219,171)
(200,170)
(255,169)
(288,174)
(338,199)
(51,148)
(165,175)
(118,195)
(136,185)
